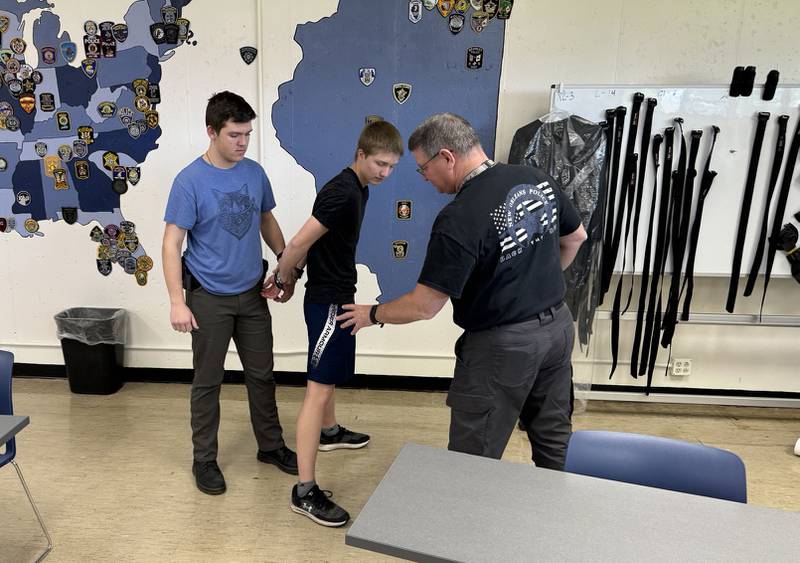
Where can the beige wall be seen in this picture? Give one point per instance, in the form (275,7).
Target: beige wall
(576,42)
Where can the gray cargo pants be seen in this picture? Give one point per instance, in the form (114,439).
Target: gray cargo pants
(521,371)
(245,318)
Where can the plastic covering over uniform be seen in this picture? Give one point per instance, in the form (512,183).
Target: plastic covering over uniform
(572,150)
(92,325)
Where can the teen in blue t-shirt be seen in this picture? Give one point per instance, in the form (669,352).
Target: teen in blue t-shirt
(224,202)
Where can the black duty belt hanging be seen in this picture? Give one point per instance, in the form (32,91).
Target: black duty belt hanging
(643,149)
(773,181)
(679,251)
(653,317)
(628,188)
(705,186)
(678,186)
(608,236)
(747,199)
(602,202)
(780,207)
(640,309)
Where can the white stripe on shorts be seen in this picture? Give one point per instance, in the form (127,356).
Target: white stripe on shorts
(325,336)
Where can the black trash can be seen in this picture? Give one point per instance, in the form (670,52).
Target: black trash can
(93,342)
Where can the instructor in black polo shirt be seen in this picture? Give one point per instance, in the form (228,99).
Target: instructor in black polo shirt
(497,251)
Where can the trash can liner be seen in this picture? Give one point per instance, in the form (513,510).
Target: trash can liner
(91,325)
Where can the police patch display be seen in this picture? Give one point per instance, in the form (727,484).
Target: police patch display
(248,54)
(415,11)
(47,101)
(445,7)
(404,210)
(400,249)
(474,58)
(69,215)
(366,75)
(119,186)
(504,9)
(401,92)
(456,23)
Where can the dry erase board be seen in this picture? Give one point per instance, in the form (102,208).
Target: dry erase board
(701,107)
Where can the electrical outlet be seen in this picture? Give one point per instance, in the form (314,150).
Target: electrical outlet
(681,367)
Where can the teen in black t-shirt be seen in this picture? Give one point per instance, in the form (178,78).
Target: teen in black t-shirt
(327,242)
(339,207)
(497,251)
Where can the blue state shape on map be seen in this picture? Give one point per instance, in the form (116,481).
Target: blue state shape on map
(27,177)
(11,152)
(120,141)
(319,114)
(45,34)
(19,9)
(126,67)
(94,193)
(74,87)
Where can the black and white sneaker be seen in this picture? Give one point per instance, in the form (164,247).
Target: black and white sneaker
(343,439)
(318,506)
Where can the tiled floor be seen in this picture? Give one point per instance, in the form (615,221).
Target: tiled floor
(112,474)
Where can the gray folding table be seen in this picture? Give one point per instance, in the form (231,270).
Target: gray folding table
(437,505)
(10,425)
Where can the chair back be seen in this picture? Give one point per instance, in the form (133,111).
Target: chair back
(658,462)
(6,406)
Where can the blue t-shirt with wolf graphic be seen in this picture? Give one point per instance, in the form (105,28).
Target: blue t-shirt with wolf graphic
(221,210)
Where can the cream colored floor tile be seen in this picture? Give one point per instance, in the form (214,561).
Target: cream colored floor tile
(112,474)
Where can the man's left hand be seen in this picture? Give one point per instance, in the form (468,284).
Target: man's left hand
(356,316)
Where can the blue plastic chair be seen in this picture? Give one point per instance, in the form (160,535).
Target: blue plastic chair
(6,407)
(658,462)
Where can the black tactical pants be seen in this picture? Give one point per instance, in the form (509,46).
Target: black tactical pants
(509,373)
(246,319)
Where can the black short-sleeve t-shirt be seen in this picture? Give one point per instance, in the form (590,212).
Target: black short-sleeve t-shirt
(339,206)
(495,248)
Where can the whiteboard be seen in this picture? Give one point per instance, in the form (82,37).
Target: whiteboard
(701,107)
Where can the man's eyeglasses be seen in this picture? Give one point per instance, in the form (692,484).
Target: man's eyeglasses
(422,168)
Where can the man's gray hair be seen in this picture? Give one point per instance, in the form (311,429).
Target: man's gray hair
(444,131)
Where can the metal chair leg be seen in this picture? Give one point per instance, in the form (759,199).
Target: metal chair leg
(49,547)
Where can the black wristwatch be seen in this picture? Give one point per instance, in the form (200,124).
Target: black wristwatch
(373,319)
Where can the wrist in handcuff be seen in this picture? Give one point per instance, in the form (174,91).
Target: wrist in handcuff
(298,272)
(373,316)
